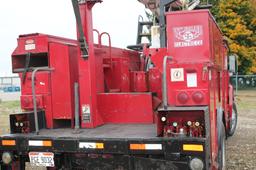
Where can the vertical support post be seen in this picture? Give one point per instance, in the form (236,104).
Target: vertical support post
(77,123)
(236,74)
(87,70)
(164,85)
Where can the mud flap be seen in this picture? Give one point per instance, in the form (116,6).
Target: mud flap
(221,137)
(219,122)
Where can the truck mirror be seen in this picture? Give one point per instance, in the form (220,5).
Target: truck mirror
(232,63)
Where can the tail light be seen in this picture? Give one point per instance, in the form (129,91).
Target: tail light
(183,97)
(163,119)
(25,102)
(198,97)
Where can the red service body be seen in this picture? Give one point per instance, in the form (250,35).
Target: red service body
(177,97)
(196,76)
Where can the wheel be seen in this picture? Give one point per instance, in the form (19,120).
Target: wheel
(233,122)
(222,149)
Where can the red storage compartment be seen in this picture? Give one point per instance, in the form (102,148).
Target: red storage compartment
(189,35)
(54,90)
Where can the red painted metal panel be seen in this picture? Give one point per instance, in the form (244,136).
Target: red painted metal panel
(39,40)
(41,43)
(41,83)
(139,81)
(117,77)
(155,81)
(62,86)
(157,56)
(126,107)
(48,111)
(188,35)
(187,85)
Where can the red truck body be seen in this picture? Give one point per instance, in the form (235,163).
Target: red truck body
(158,107)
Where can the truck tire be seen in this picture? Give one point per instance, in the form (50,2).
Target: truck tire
(222,149)
(233,122)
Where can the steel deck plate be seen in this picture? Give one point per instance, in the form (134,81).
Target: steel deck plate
(106,131)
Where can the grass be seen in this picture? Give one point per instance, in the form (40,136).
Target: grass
(10,105)
(246,105)
(7,108)
(246,99)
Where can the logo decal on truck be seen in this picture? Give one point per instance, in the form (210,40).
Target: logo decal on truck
(188,36)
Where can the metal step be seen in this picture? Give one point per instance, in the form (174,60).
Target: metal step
(145,35)
(146,23)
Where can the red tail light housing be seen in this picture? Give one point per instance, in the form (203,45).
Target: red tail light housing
(198,97)
(183,97)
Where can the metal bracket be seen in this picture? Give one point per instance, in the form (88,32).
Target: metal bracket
(26,68)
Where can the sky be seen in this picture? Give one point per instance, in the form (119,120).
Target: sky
(56,17)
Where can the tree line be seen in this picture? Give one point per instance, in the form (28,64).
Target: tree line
(237,20)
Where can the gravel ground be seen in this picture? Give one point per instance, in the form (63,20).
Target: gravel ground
(241,148)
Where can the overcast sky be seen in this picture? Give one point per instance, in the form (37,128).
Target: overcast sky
(56,17)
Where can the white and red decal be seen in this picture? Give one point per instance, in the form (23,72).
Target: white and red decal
(188,36)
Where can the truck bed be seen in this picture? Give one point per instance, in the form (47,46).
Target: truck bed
(118,141)
(129,131)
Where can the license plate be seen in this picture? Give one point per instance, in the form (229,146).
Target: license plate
(43,159)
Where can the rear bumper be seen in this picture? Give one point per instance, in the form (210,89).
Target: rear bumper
(113,153)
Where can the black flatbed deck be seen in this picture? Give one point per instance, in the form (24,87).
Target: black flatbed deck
(128,131)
